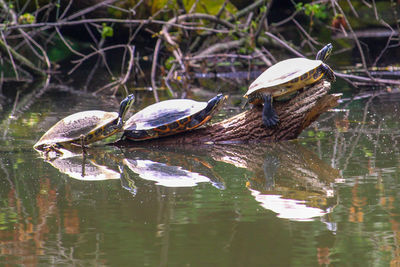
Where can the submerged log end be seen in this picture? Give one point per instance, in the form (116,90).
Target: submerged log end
(294,115)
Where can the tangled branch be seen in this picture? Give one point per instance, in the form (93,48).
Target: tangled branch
(188,42)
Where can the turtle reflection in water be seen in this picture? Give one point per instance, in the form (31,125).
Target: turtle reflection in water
(167,175)
(83,128)
(82,168)
(90,169)
(282,80)
(171,117)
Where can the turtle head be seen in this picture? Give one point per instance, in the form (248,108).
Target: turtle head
(215,103)
(123,109)
(324,53)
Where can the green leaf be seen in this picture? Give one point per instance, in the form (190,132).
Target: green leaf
(107,31)
(299,6)
(169,62)
(26,18)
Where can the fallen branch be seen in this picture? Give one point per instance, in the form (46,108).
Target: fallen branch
(295,115)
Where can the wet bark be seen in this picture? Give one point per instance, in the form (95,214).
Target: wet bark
(295,115)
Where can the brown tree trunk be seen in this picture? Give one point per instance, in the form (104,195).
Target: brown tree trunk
(294,115)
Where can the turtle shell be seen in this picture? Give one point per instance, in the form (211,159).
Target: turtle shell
(287,76)
(90,124)
(171,117)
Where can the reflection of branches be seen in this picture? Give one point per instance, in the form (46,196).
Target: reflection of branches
(369,135)
(23,104)
(358,133)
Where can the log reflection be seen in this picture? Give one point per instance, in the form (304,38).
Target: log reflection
(283,177)
(288,179)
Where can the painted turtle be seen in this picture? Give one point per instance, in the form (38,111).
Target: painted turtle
(285,78)
(170,117)
(84,127)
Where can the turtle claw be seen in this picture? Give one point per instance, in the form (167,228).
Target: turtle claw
(270,121)
(269,116)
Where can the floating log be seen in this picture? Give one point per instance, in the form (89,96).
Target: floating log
(294,115)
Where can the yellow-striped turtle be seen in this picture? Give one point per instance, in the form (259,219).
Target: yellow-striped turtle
(170,117)
(285,78)
(84,127)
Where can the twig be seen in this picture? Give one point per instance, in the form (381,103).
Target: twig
(90,9)
(220,46)
(393,32)
(221,55)
(261,24)
(16,56)
(66,9)
(243,12)
(263,58)
(91,74)
(44,54)
(47,25)
(305,32)
(80,61)
(364,63)
(375,10)
(286,20)
(21,60)
(284,44)
(3,43)
(131,63)
(154,67)
(166,80)
(176,50)
(67,44)
(352,8)
(365,79)
(193,7)
(122,81)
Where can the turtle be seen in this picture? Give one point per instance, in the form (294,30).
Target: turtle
(284,79)
(170,117)
(84,127)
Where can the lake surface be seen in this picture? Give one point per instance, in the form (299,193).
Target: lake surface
(329,198)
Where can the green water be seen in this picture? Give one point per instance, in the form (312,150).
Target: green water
(329,198)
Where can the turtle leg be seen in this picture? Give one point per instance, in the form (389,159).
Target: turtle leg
(82,138)
(328,73)
(269,116)
(123,137)
(83,173)
(52,148)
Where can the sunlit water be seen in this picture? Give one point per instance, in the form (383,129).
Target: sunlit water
(329,198)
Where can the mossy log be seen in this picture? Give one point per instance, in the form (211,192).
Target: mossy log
(294,115)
